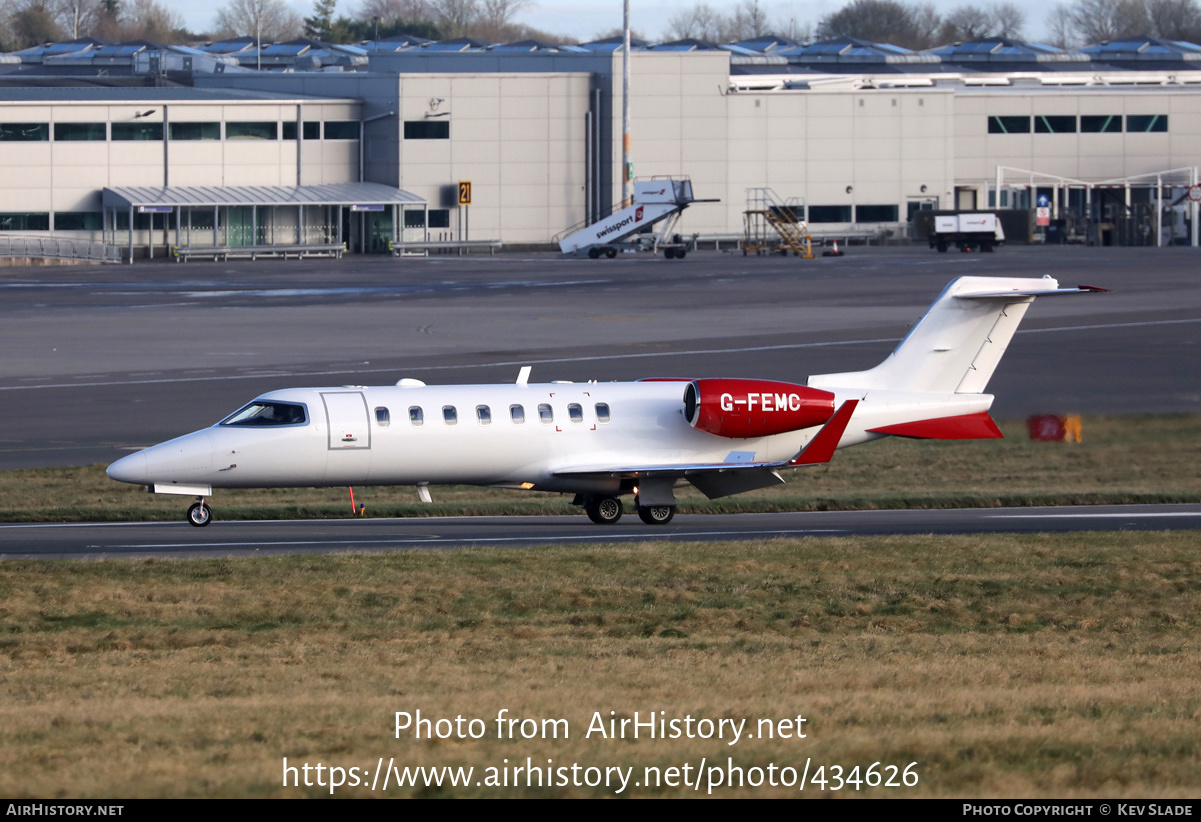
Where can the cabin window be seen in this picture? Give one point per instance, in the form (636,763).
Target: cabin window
(545,414)
(484,414)
(602,412)
(416,415)
(517,414)
(382,417)
(261,413)
(575,412)
(449,415)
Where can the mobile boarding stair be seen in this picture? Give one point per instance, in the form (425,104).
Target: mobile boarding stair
(773,225)
(655,200)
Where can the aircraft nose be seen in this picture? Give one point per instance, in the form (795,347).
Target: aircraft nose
(185,459)
(131,469)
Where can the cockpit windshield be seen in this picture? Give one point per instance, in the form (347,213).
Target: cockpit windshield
(261,412)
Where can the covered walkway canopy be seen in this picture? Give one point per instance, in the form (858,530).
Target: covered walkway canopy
(260,220)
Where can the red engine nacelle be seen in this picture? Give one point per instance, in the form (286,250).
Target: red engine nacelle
(754,408)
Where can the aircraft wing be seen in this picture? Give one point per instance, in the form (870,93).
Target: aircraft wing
(720,479)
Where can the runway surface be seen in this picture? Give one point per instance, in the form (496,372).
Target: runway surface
(100,361)
(104,541)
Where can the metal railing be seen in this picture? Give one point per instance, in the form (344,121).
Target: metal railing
(58,248)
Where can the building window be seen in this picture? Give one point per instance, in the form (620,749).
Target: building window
(30,221)
(78,221)
(876,213)
(24,132)
(312,131)
(251,131)
(137,131)
(439,218)
(517,414)
(1146,122)
(195,131)
(1101,123)
(1008,125)
(830,214)
(64,132)
(416,415)
(141,221)
(427,129)
(414,218)
(1054,124)
(342,130)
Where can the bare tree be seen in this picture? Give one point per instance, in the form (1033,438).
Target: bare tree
(395,10)
(1007,20)
(150,20)
(748,20)
(1175,19)
(456,18)
(496,18)
(700,22)
(268,19)
(978,23)
(1061,28)
(31,23)
(965,23)
(883,21)
(1097,20)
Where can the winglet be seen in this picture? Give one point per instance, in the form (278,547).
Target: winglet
(821,448)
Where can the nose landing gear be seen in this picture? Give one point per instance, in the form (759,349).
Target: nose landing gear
(200,514)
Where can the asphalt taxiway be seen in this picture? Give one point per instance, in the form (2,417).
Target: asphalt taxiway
(100,361)
(116,540)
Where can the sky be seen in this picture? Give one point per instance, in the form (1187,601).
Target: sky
(583,20)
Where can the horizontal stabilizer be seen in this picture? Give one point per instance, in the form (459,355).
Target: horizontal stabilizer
(965,427)
(1048,292)
(956,345)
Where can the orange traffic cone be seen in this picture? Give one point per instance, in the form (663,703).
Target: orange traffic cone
(834,253)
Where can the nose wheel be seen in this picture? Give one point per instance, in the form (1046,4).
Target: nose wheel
(200,514)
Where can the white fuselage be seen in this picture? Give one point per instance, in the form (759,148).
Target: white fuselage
(403,435)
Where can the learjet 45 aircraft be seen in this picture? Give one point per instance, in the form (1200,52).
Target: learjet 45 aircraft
(601,441)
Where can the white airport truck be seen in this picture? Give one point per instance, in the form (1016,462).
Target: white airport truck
(969,231)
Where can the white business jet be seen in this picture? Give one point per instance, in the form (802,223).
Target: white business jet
(601,441)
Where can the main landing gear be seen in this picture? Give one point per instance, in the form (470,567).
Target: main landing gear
(603,510)
(608,510)
(656,514)
(200,514)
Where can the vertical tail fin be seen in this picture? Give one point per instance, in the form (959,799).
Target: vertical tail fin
(956,345)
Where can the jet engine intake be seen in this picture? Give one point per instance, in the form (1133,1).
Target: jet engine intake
(754,408)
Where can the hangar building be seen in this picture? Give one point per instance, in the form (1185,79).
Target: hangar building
(859,136)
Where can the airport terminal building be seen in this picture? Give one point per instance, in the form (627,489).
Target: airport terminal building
(314,146)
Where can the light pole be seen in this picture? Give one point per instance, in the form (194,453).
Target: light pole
(625,107)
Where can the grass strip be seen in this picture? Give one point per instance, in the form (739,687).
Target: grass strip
(1003,665)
